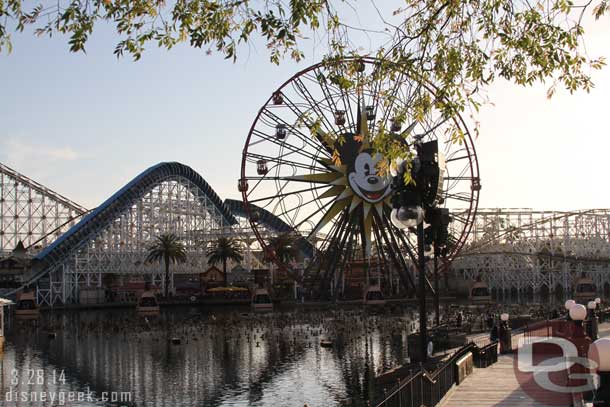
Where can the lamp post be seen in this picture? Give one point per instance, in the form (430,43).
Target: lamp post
(578,313)
(505,334)
(415,201)
(436,235)
(593,322)
(437,310)
(599,351)
(569,304)
(423,316)
(598,302)
(408,218)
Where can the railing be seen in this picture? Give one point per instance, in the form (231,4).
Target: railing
(423,388)
(561,328)
(564,328)
(486,356)
(538,329)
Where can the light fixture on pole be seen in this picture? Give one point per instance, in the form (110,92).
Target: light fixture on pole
(592,326)
(436,236)
(407,217)
(505,335)
(578,313)
(599,352)
(569,304)
(579,338)
(411,201)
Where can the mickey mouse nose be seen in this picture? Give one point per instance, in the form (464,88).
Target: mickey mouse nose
(373,180)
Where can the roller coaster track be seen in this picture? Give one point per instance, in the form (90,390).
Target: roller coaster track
(272,222)
(480,244)
(102,216)
(28,210)
(57,229)
(539,255)
(41,189)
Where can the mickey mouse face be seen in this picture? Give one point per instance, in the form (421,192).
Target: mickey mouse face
(365,181)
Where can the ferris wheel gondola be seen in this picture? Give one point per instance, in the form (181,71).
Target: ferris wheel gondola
(310,160)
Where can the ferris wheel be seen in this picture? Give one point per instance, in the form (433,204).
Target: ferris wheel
(309,162)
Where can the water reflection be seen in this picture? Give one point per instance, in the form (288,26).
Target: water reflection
(225,357)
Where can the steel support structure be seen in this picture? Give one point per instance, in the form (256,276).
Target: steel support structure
(522,252)
(114,238)
(120,248)
(32,213)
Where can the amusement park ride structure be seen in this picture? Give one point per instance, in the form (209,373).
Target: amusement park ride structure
(520,253)
(513,251)
(298,179)
(111,240)
(309,159)
(32,213)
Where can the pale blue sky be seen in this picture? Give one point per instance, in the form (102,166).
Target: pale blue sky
(85,124)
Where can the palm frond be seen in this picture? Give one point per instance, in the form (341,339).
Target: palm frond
(284,247)
(224,249)
(167,245)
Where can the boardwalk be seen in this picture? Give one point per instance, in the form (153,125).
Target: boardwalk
(497,386)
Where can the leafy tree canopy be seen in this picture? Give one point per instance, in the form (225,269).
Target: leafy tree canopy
(459,45)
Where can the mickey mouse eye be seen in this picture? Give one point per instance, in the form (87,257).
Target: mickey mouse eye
(364,165)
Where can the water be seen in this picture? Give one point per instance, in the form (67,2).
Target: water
(227,357)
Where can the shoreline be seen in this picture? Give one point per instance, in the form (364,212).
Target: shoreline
(247,302)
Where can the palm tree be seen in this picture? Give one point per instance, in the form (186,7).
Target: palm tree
(167,248)
(284,248)
(224,249)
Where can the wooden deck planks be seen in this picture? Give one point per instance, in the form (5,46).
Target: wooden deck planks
(494,386)
(497,386)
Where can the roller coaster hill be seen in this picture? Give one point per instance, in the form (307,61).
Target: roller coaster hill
(66,252)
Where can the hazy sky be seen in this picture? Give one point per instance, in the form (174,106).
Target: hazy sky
(85,124)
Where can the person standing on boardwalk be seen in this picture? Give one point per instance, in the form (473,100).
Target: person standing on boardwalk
(493,335)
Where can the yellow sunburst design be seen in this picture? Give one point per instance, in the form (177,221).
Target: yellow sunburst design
(341,191)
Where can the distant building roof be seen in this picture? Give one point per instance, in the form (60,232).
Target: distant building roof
(19,249)
(213,274)
(239,274)
(15,263)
